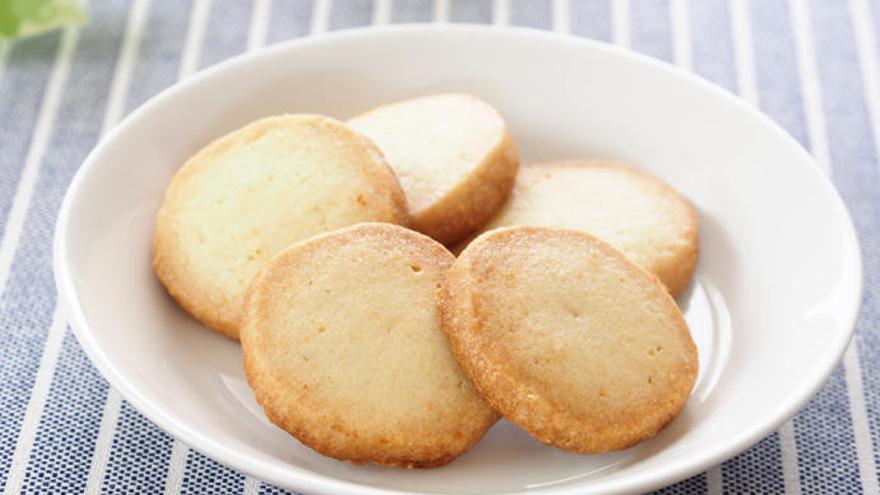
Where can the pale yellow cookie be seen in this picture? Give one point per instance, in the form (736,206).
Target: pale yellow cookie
(633,211)
(250,194)
(343,348)
(454,158)
(567,338)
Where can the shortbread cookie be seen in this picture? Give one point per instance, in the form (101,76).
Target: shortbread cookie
(633,211)
(343,348)
(250,194)
(567,338)
(453,156)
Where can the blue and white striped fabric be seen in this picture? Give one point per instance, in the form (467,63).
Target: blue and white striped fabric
(812,65)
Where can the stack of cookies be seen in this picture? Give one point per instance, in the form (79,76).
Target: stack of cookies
(326,248)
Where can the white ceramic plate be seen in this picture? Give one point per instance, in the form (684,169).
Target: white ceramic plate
(772,306)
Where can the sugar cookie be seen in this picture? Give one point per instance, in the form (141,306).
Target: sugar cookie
(256,191)
(633,211)
(453,155)
(567,338)
(343,348)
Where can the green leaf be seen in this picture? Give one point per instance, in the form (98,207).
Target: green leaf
(20,18)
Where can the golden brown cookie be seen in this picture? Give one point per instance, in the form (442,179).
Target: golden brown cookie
(343,348)
(454,158)
(250,194)
(633,211)
(567,338)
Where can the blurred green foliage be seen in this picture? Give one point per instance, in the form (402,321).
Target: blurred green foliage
(20,18)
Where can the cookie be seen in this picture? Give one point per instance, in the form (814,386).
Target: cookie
(250,194)
(343,348)
(567,338)
(454,158)
(633,211)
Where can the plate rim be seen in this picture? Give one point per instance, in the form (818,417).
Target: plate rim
(306,480)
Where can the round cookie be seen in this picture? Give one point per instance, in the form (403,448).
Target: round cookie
(343,348)
(250,194)
(633,211)
(453,156)
(567,338)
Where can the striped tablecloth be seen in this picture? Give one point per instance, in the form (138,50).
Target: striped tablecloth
(810,64)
